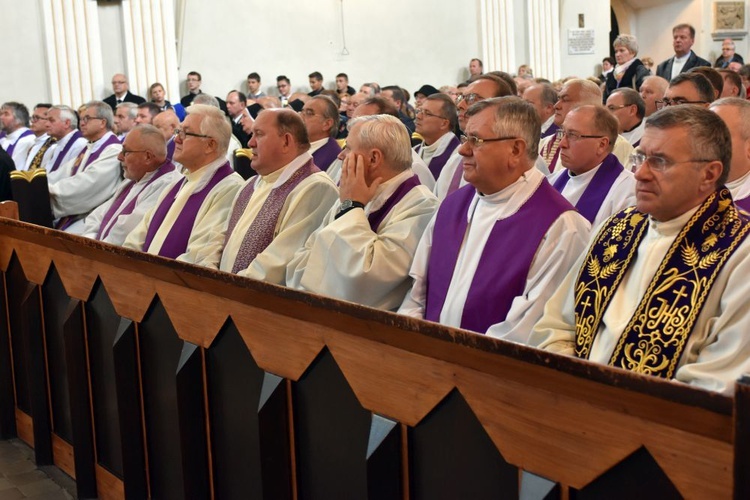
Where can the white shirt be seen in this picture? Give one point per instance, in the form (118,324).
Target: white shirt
(562,243)
(717,352)
(303,211)
(678,63)
(21,148)
(119,226)
(70,156)
(740,188)
(427,153)
(634,136)
(547,124)
(620,196)
(81,193)
(213,211)
(346,259)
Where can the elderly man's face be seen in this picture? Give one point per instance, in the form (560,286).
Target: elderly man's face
(669,194)
(123,122)
(192,150)
(119,84)
(582,154)
(39,121)
(267,143)
(430,121)
(8,120)
(58,128)
(92,127)
(682,41)
(354,102)
(727,49)
(651,92)
(616,105)
(317,125)
(568,98)
(475,92)
(133,157)
(487,166)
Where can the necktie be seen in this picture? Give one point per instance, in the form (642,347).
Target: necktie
(37,161)
(119,101)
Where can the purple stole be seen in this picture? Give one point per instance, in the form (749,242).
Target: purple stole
(260,234)
(73,138)
(550,156)
(596,192)
(438,162)
(505,261)
(744,204)
(170,149)
(328,152)
(94,155)
(552,130)
(376,218)
(176,241)
(165,168)
(456,179)
(12,147)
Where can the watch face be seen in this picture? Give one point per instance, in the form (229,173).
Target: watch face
(346,204)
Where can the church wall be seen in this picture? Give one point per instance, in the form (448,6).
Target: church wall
(24,75)
(596,17)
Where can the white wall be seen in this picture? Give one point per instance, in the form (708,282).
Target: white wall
(389,41)
(597,17)
(24,77)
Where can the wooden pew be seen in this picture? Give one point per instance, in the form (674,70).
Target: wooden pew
(144,377)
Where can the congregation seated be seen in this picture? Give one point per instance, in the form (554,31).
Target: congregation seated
(92,177)
(188,209)
(147,172)
(543,97)
(41,150)
(16,138)
(667,297)
(321,117)
(63,126)
(436,119)
(509,214)
(364,248)
(629,108)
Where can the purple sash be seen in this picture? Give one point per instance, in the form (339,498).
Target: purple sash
(596,192)
(260,234)
(744,204)
(505,260)
(12,147)
(376,217)
(165,168)
(170,149)
(552,130)
(94,155)
(438,162)
(456,179)
(73,138)
(553,143)
(176,241)
(325,155)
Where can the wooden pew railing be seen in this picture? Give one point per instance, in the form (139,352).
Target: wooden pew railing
(143,377)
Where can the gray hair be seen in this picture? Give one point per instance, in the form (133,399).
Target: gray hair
(628,41)
(152,139)
(67,113)
(20,112)
(387,134)
(207,99)
(214,123)
(513,117)
(590,92)
(632,98)
(102,110)
(743,108)
(331,112)
(130,107)
(709,136)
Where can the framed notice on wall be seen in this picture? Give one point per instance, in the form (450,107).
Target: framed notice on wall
(729,20)
(580,41)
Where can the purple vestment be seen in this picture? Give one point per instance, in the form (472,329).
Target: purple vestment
(599,186)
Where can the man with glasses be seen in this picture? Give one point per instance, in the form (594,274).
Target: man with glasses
(662,289)
(593,178)
(121,92)
(483,87)
(371,233)
(147,173)
(687,88)
(192,207)
(497,248)
(90,179)
(194,80)
(41,149)
(436,119)
(629,108)
(321,117)
(16,138)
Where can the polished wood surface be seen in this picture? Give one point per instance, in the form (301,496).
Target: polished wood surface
(559,418)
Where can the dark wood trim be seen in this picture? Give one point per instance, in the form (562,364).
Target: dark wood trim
(742,439)
(7,385)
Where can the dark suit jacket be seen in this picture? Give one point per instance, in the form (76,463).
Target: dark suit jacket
(129,97)
(720,63)
(664,70)
(633,78)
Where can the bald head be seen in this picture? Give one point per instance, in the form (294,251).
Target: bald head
(574,93)
(653,89)
(167,122)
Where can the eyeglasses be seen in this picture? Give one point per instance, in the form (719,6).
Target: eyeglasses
(307,112)
(575,136)
(178,132)
(662,103)
(612,107)
(475,141)
(86,119)
(657,163)
(126,152)
(36,118)
(469,98)
(119,82)
(420,111)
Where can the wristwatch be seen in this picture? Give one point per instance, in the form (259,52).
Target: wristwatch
(347,205)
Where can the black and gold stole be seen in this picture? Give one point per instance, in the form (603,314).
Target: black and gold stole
(655,337)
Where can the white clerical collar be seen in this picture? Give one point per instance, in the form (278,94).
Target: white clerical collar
(673,226)
(584,177)
(740,188)
(316,145)
(512,198)
(546,125)
(738,182)
(41,138)
(121,96)
(13,136)
(199,175)
(94,146)
(683,58)
(285,172)
(65,139)
(386,189)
